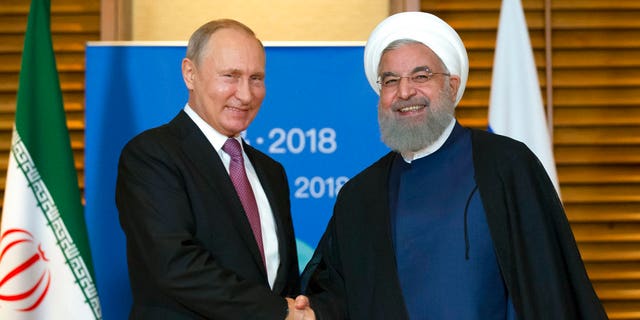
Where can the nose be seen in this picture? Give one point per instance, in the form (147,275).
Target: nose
(406,89)
(243,91)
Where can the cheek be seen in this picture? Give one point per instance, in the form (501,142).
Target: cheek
(385,101)
(221,89)
(259,94)
(215,91)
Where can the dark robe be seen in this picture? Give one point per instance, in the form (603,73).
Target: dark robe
(353,274)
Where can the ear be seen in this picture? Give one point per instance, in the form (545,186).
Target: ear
(454,83)
(188,72)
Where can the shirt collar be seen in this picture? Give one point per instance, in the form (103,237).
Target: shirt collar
(216,138)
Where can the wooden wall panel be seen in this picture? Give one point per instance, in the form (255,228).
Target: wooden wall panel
(596,106)
(596,97)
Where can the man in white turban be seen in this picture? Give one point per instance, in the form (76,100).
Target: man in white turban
(454,223)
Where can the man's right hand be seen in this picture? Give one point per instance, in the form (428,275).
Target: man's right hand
(300,309)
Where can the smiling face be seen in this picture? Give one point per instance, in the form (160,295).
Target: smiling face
(226,82)
(413,115)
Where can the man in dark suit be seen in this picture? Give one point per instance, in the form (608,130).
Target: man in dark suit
(208,227)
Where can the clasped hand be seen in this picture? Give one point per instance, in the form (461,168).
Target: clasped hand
(300,309)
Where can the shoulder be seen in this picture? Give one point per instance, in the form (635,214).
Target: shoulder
(495,142)
(375,169)
(497,149)
(163,139)
(498,158)
(371,178)
(258,156)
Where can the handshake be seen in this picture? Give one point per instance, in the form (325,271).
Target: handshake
(299,309)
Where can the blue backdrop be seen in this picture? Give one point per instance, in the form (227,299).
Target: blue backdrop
(318,119)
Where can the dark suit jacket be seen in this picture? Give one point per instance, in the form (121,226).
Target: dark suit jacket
(190,250)
(353,274)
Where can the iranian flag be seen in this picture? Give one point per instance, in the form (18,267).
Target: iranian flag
(45,265)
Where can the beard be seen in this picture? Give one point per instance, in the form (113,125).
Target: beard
(410,135)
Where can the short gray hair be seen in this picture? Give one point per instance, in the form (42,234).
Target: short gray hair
(200,37)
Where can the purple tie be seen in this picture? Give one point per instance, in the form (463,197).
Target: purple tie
(243,188)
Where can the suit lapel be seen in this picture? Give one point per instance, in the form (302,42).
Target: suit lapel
(206,160)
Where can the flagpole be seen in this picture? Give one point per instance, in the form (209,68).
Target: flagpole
(548,67)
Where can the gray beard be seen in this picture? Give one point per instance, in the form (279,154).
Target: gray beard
(417,134)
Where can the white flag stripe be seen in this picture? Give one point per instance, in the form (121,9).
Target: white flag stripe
(61,297)
(515,107)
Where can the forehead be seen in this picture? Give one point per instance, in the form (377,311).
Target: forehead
(232,46)
(407,57)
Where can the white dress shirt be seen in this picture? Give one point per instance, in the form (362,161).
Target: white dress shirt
(267,222)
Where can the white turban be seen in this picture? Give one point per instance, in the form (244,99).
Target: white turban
(422,27)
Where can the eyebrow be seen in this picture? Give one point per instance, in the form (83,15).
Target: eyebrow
(416,69)
(238,72)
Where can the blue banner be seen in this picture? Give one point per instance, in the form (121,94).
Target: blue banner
(319,119)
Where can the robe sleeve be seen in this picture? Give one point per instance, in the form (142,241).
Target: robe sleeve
(322,279)
(537,252)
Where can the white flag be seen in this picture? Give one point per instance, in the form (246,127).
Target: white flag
(515,107)
(45,265)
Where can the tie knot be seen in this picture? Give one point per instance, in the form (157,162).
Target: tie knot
(232,147)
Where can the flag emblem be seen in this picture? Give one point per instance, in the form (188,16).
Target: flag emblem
(25,277)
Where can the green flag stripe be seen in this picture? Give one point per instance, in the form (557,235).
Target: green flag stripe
(41,147)
(41,123)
